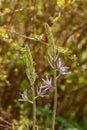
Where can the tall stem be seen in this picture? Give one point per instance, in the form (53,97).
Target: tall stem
(55,97)
(34,109)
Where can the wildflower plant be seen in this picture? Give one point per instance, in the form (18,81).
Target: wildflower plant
(52,61)
(56,65)
(41,91)
(31,74)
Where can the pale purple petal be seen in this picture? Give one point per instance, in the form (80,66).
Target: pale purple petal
(63,72)
(62,69)
(47,83)
(43,95)
(59,64)
(25,94)
(45,87)
(39,91)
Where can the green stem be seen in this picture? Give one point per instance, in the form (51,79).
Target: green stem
(34,108)
(55,94)
(55,101)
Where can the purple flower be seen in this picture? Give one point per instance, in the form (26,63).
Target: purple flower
(47,82)
(62,69)
(25,96)
(42,90)
(41,93)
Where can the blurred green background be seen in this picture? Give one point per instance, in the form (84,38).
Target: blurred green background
(22,23)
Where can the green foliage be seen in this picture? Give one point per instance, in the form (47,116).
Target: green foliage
(84,124)
(65,124)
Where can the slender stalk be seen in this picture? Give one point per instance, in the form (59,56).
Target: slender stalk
(34,108)
(52,61)
(55,100)
(55,92)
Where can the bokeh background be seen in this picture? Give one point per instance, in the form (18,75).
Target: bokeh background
(22,23)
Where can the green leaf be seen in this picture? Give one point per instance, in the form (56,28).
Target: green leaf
(68,124)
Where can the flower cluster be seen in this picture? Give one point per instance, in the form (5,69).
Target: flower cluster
(62,69)
(43,89)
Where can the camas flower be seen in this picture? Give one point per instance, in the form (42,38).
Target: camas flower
(25,96)
(47,82)
(41,93)
(62,69)
(42,90)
